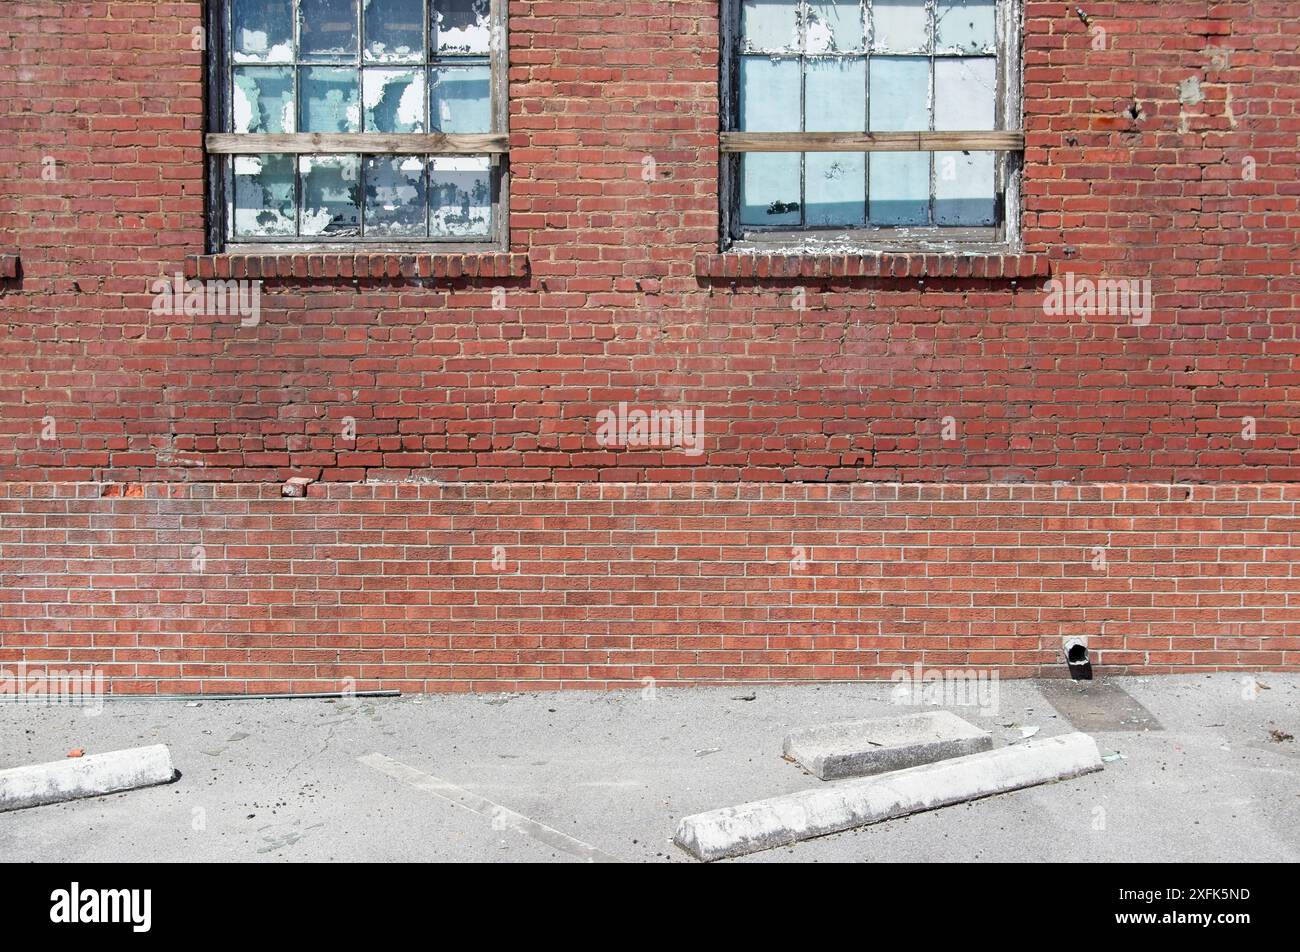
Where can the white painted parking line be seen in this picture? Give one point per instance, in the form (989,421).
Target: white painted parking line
(502,817)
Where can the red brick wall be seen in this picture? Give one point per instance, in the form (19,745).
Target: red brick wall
(599,585)
(614,304)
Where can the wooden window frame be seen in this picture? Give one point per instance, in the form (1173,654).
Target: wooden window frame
(218,144)
(1008,141)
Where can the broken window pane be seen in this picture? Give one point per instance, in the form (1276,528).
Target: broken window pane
(327,29)
(900,94)
(964,188)
(330,192)
(769,94)
(769,25)
(262,99)
(264,196)
(770,188)
(461,100)
(395,204)
(460,196)
(459,27)
(394,31)
(394,100)
(900,26)
(900,188)
(966,25)
(329,100)
(965,92)
(262,31)
(835,95)
(834,26)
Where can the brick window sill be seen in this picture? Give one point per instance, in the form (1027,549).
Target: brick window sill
(8,266)
(329,265)
(1006,267)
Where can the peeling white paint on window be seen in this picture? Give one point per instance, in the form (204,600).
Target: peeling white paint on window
(252,47)
(331,100)
(460,196)
(262,100)
(330,195)
(395,196)
(394,30)
(264,196)
(394,100)
(803,66)
(361,66)
(462,26)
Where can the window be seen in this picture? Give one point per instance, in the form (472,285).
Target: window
(871,123)
(357,123)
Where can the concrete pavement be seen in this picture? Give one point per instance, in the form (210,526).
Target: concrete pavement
(485,777)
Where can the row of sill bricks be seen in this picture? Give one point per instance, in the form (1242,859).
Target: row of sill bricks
(885,265)
(359,265)
(8,266)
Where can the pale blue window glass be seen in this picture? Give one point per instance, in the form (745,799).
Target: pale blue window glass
(834,26)
(769,25)
(900,26)
(900,188)
(966,25)
(965,91)
(330,99)
(835,183)
(964,188)
(461,99)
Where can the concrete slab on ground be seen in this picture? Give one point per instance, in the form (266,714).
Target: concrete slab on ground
(861,748)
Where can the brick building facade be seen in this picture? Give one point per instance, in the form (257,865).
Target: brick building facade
(906,456)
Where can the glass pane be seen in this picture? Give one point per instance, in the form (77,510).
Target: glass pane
(329,100)
(963,188)
(461,100)
(835,95)
(900,188)
(394,100)
(769,25)
(769,94)
(834,26)
(330,189)
(901,26)
(460,26)
(395,203)
(965,91)
(327,29)
(835,188)
(900,94)
(262,31)
(394,31)
(262,99)
(966,25)
(460,196)
(264,196)
(770,188)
